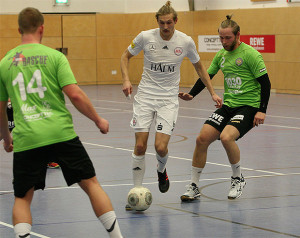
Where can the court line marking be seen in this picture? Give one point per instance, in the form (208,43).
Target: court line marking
(184,108)
(228,221)
(179,158)
(205,118)
(31,233)
(155,182)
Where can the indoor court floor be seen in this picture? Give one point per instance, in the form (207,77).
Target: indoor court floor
(269,206)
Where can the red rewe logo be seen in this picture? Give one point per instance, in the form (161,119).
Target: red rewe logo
(178,51)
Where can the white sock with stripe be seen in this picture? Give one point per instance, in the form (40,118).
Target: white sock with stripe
(22,230)
(110,223)
(138,169)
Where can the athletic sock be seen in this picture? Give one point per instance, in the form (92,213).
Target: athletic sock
(162,161)
(22,230)
(196,172)
(138,169)
(236,170)
(110,223)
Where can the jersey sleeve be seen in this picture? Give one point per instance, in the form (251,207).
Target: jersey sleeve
(65,75)
(214,66)
(3,91)
(192,53)
(136,45)
(256,64)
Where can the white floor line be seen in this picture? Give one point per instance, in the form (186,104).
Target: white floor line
(173,181)
(31,233)
(180,158)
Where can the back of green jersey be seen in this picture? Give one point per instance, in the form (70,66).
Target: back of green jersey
(241,68)
(32,76)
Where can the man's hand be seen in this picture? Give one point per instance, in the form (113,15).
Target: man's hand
(103,125)
(217,100)
(8,144)
(259,118)
(185,96)
(127,88)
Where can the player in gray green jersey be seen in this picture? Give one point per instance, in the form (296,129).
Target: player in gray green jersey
(246,95)
(34,77)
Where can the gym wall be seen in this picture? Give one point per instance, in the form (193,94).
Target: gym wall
(96,42)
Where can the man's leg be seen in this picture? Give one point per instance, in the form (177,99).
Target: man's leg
(138,158)
(161,148)
(228,138)
(208,134)
(101,205)
(22,219)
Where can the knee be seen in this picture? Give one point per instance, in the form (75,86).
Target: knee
(140,149)
(161,149)
(202,140)
(88,184)
(225,138)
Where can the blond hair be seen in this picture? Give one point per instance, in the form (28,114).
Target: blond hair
(165,10)
(228,23)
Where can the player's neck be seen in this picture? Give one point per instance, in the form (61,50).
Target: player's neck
(31,39)
(167,37)
(238,43)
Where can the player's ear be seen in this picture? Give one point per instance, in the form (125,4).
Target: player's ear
(41,29)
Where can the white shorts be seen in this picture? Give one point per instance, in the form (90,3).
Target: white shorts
(163,112)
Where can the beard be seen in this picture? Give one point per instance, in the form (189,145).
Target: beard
(231,47)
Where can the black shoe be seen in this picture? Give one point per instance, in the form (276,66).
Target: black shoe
(163,181)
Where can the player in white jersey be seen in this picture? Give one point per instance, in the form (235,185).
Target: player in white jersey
(157,96)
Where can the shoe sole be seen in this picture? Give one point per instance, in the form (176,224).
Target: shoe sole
(164,190)
(128,208)
(188,199)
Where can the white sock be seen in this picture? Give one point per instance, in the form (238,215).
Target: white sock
(110,223)
(22,230)
(162,161)
(196,172)
(138,169)
(236,170)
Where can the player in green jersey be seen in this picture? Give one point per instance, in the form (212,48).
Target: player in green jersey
(34,77)
(246,95)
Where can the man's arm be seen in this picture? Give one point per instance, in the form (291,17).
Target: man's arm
(264,92)
(127,87)
(195,90)
(199,86)
(202,73)
(4,131)
(265,84)
(83,104)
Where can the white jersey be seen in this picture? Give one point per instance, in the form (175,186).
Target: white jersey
(162,61)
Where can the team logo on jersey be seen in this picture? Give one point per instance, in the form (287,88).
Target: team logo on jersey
(239,61)
(152,47)
(132,45)
(134,121)
(16,59)
(178,51)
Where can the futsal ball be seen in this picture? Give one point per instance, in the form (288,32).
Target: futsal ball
(139,198)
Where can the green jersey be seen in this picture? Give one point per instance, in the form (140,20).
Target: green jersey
(32,76)
(240,67)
